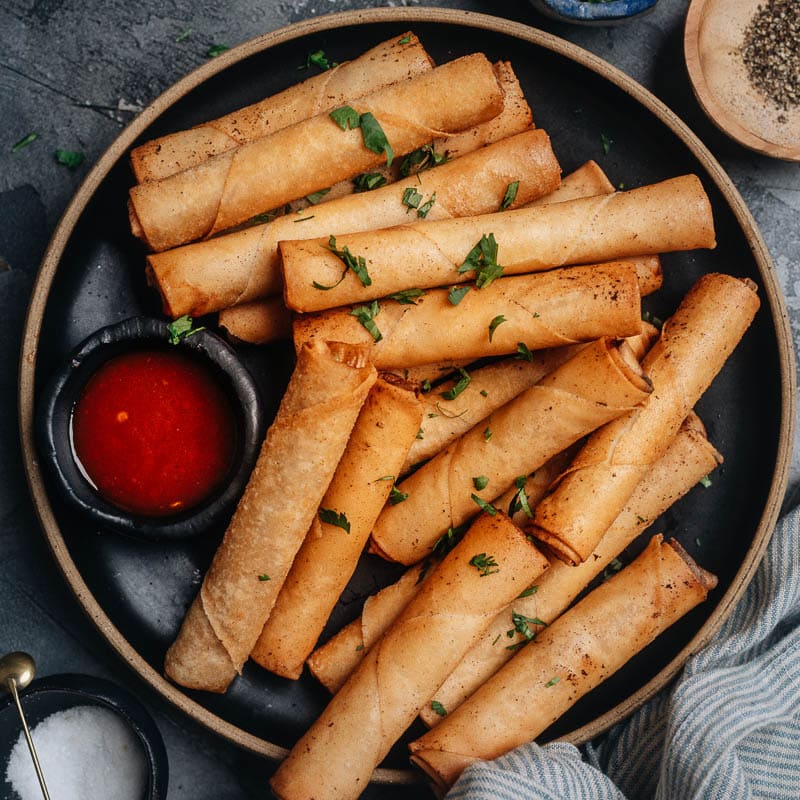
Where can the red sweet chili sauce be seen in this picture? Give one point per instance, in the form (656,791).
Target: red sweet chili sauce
(154,431)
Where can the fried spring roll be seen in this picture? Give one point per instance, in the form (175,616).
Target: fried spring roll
(300,453)
(582,648)
(332,663)
(335,758)
(694,344)
(243,266)
(599,383)
(310,155)
(258,322)
(386,426)
(689,457)
(395,60)
(489,387)
(672,215)
(550,309)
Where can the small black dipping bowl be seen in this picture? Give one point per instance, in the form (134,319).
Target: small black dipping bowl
(47,696)
(54,423)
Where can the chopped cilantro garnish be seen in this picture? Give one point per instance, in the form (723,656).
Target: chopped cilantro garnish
(480,482)
(553,681)
(425,208)
(407,297)
(405,40)
(528,592)
(331,517)
(614,566)
(425,387)
(511,194)
(183,35)
(359,648)
(458,387)
(420,434)
(523,352)
(449,539)
(180,328)
(606,142)
(318,59)
(356,263)
(487,434)
(366,316)
(316,197)
(705,482)
(482,259)
(438,708)
(487,507)
(69,158)
(24,142)
(520,499)
(346,117)
(420,159)
(498,320)
(484,564)
(484,393)
(522,625)
(374,137)
(456,294)
(264,577)
(411,198)
(652,319)
(396,496)
(368,181)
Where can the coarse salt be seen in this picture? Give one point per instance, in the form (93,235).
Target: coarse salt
(86,753)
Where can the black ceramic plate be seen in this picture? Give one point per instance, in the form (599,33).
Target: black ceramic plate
(93,275)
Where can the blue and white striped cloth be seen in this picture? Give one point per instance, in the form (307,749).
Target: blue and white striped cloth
(729,729)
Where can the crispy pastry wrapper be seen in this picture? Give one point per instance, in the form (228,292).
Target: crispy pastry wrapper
(311,155)
(257,322)
(550,309)
(694,344)
(689,457)
(672,215)
(599,383)
(297,460)
(398,59)
(577,652)
(242,266)
(332,663)
(384,430)
(491,387)
(335,758)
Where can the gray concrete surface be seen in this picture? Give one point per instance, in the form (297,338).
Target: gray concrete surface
(75,72)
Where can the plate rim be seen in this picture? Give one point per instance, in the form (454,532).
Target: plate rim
(410,16)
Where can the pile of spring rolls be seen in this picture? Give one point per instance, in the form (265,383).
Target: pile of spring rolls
(475,396)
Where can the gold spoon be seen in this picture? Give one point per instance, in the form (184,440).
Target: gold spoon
(16,672)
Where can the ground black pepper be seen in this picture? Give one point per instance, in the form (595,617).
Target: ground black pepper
(771,51)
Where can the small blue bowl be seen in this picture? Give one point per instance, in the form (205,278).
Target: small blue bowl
(46,696)
(597,13)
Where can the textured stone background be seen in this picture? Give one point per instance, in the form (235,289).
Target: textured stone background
(75,72)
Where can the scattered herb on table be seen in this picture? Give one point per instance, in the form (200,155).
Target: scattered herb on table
(69,158)
(24,142)
(264,577)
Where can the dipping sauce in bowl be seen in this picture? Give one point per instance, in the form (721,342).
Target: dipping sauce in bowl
(151,434)
(154,431)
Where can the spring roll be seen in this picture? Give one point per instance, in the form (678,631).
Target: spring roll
(297,460)
(310,155)
(489,387)
(672,215)
(398,59)
(244,266)
(689,457)
(582,648)
(550,309)
(332,663)
(694,344)
(335,758)
(360,487)
(261,321)
(599,383)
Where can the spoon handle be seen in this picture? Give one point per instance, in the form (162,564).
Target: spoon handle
(12,686)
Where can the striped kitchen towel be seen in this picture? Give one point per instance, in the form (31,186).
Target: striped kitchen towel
(728,729)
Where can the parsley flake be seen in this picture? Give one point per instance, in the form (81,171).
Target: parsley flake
(374,137)
(24,142)
(527,592)
(420,159)
(316,197)
(449,539)
(368,181)
(614,566)
(458,387)
(438,708)
(366,316)
(511,194)
(405,40)
(69,158)
(456,294)
(522,624)
(331,517)
(482,260)
(411,198)
(524,352)
(408,297)
(425,208)
(487,507)
(520,499)
(318,59)
(420,434)
(359,648)
(346,117)
(652,319)
(356,263)
(552,682)
(183,35)
(480,482)
(425,387)
(484,564)
(705,482)
(487,434)
(493,325)
(264,577)
(180,328)
(484,393)
(396,496)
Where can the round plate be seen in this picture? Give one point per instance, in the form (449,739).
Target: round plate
(93,274)
(712,42)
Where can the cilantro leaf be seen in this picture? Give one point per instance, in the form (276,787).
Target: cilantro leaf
(405,40)
(411,198)
(458,387)
(606,142)
(456,294)
(498,320)
(520,499)
(366,316)
(511,194)
(524,352)
(264,577)
(368,181)
(480,482)
(522,625)
(69,158)
(438,708)
(485,564)
(217,50)
(318,59)
(180,328)
(374,137)
(331,517)
(407,297)
(420,159)
(316,197)
(487,507)
(482,260)
(356,263)
(346,117)
(425,208)
(396,496)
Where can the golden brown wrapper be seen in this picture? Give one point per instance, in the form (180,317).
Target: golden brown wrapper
(384,430)
(694,344)
(299,455)
(672,215)
(577,652)
(397,59)
(550,309)
(689,457)
(257,322)
(332,663)
(596,385)
(311,155)
(335,758)
(242,266)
